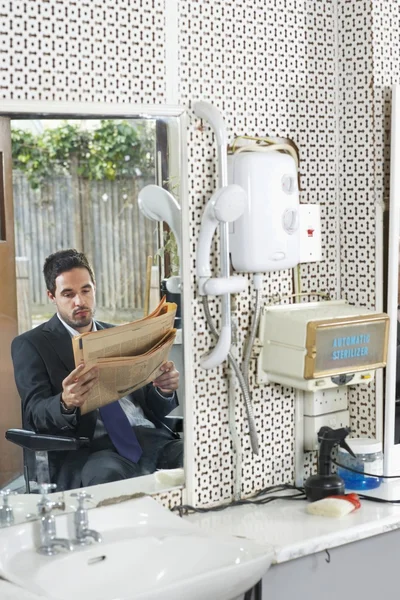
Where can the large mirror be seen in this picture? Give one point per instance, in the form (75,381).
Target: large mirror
(77,176)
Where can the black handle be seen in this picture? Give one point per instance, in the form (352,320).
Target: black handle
(328,439)
(44,442)
(174,422)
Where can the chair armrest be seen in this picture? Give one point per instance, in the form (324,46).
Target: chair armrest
(174,422)
(43,442)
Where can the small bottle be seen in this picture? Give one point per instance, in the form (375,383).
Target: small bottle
(369,459)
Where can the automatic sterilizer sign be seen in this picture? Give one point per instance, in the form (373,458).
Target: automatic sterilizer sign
(353,346)
(349,346)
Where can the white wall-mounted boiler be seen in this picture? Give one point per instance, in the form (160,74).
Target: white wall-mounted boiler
(267,236)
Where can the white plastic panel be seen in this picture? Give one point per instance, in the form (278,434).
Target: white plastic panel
(267,236)
(312,425)
(310,233)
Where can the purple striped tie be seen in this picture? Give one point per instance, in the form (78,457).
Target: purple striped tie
(120,431)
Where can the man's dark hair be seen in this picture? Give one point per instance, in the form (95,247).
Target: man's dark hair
(62,261)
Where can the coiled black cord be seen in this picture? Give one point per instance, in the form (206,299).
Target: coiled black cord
(262,497)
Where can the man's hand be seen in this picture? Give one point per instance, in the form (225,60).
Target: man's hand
(76,386)
(168,382)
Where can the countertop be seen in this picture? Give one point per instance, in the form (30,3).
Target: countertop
(292,532)
(283,524)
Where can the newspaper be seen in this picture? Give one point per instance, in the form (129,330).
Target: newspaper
(127,356)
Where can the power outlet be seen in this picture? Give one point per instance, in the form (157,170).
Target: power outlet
(310,233)
(322,402)
(313,424)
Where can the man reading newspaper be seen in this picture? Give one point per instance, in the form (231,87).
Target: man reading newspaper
(128,437)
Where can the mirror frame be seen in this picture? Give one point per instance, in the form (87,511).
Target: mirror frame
(25,109)
(391,450)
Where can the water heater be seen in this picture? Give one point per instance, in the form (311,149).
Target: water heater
(267,236)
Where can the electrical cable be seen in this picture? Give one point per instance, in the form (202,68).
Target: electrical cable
(237,448)
(265,144)
(257,279)
(364,472)
(364,496)
(373,499)
(271,148)
(261,497)
(241,380)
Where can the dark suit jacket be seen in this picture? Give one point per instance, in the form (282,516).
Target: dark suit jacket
(42,358)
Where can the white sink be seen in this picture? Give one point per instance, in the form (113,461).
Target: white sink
(147,553)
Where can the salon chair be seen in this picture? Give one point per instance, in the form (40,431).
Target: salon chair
(36,447)
(174,423)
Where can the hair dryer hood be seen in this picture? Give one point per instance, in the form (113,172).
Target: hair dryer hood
(158,204)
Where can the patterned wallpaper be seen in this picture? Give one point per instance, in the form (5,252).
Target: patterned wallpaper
(89,50)
(297,68)
(271,69)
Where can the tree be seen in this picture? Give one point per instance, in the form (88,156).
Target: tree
(117,149)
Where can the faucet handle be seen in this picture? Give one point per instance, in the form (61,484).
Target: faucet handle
(44,489)
(45,505)
(5,494)
(6,511)
(47,488)
(81,520)
(82,496)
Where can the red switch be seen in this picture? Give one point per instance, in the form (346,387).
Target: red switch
(310,232)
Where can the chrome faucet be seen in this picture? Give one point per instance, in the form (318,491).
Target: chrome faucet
(83,535)
(6,511)
(49,542)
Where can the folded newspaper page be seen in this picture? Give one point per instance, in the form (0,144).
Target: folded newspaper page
(127,356)
(121,376)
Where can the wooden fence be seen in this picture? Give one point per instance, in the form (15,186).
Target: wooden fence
(101,219)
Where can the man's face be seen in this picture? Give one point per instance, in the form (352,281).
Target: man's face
(75,298)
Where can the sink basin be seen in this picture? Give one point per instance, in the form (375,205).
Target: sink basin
(147,553)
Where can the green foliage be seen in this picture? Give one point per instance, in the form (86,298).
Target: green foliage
(115,150)
(170,247)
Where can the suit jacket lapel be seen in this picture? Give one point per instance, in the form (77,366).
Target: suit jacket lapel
(59,337)
(60,340)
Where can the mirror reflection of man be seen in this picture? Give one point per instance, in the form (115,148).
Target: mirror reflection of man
(128,438)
